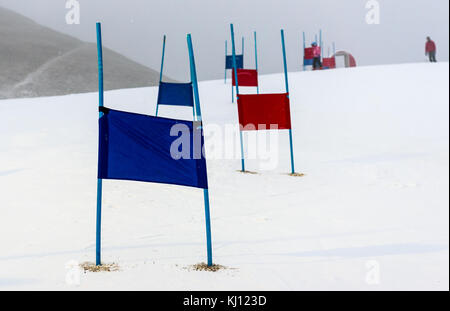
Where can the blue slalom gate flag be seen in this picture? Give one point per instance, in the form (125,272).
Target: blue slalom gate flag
(176,94)
(308,62)
(151,149)
(239,62)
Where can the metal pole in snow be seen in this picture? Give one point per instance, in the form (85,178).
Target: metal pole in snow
(321,46)
(237,92)
(162,68)
(99,180)
(287,91)
(256,63)
(232,90)
(304,48)
(199,118)
(285,62)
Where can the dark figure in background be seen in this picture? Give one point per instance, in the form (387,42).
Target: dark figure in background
(317,64)
(430,50)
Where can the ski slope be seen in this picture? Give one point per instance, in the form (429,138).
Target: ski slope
(371,213)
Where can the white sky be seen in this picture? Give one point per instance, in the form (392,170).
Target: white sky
(135,28)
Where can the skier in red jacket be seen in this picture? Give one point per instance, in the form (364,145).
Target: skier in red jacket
(430,50)
(317,64)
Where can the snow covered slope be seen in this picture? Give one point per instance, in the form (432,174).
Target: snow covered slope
(371,213)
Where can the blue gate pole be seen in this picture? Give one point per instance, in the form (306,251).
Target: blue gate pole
(304,48)
(208,227)
(199,118)
(256,63)
(321,46)
(232,91)
(237,93)
(99,180)
(287,91)
(226,54)
(162,68)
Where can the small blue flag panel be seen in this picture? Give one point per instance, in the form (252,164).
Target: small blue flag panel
(308,62)
(239,62)
(176,94)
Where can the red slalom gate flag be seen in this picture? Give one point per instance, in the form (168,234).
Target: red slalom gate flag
(309,53)
(329,62)
(246,77)
(258,110)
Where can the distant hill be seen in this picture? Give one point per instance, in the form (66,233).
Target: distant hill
(37,61)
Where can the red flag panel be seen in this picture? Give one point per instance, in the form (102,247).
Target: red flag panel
(309,53)
(258,110)
(246,77)
(352,61)
(329,62)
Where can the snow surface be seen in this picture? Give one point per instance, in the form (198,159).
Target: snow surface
(372,141)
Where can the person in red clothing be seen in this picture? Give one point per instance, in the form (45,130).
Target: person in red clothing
(430,50)
(317,64)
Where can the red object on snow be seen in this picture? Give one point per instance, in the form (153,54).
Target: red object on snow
(263,111)
(352,61)
(430,47)
(246,77)
(309,53)
(329,62)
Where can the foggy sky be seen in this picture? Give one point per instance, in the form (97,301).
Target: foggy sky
(135,29)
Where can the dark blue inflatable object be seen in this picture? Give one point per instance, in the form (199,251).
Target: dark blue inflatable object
(239,62)
(138,147)
(175,94)
(308,62)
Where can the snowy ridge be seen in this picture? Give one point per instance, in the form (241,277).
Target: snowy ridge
(37,61)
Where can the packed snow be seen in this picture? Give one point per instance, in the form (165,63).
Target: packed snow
(371,212)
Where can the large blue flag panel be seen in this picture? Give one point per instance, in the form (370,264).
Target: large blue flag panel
(176,94)
(239,62)
(138,147)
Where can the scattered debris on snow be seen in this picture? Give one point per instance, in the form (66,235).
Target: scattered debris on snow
(92,267)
